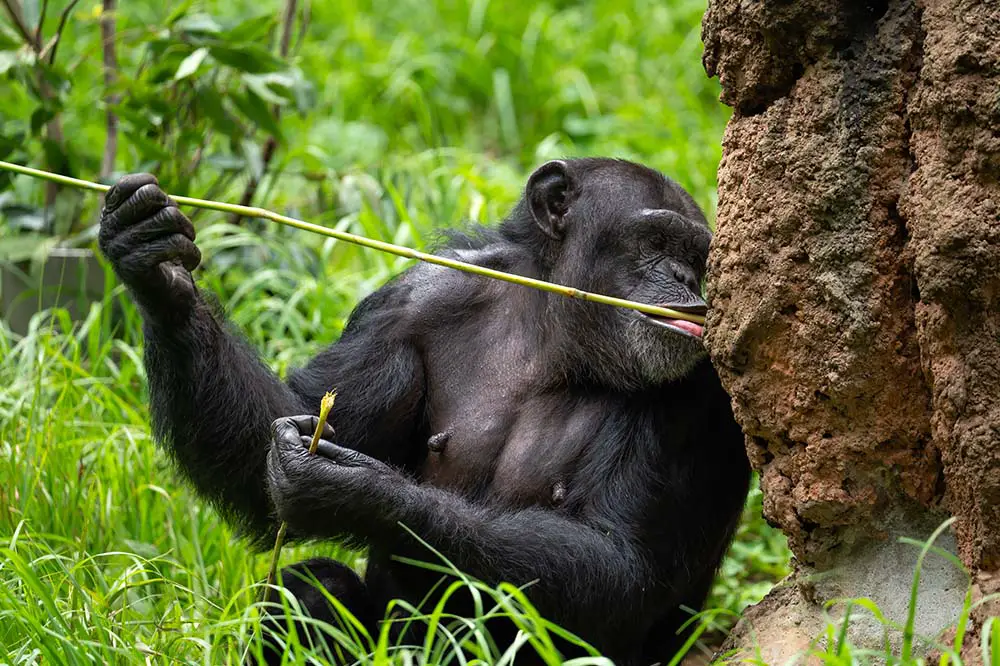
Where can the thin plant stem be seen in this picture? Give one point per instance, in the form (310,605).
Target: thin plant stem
(382,246)
(272,568)
(41,21)
(63,17)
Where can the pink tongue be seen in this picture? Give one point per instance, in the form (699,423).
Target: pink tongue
(689,326)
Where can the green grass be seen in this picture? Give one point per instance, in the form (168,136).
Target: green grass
(106,557)
(427,114)
(483,89)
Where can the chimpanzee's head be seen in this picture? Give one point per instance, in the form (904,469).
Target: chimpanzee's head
(621,229)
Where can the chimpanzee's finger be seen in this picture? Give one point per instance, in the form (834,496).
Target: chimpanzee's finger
(284,431)
(156,252)
(125,188)
(164,223)
(307,423)
(345,456)
(144,203)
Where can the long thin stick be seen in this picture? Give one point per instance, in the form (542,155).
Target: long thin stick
(382,246)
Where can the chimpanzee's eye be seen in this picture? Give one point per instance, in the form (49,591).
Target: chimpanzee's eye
(687,278)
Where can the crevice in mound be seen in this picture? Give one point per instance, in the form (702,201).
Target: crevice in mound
(860,23)
(764,99)
(912,69)
(911,73)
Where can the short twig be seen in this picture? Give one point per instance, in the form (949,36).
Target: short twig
(41,21)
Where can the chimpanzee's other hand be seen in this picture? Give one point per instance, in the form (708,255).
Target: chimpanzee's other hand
(150,243)
(329,493)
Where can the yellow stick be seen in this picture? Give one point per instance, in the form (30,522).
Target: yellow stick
(382,246)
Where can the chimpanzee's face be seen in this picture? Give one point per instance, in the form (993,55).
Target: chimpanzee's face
(631,233)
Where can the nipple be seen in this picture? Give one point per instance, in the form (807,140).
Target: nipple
(437,442)
(558,492)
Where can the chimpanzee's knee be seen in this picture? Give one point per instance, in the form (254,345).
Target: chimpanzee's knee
(301,580)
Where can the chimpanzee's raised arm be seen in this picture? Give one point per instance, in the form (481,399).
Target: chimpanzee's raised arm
(212,400)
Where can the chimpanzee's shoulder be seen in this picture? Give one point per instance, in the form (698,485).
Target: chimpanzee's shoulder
(442,285)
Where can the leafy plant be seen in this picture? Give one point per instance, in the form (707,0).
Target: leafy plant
(191,96)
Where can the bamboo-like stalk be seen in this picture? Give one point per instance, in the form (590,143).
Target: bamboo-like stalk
(324,412)
(382,246)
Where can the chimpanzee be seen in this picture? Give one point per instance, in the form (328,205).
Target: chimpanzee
(527,437)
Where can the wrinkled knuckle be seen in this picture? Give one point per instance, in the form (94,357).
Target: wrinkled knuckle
(113,198)
(150,193)
(114,248)
(132,265)
(107,216)
(125,188)
(173,213)
(183,224)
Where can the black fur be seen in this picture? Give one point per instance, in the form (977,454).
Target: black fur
(526,436)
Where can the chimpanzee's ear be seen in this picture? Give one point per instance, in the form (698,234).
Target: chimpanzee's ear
(549,193)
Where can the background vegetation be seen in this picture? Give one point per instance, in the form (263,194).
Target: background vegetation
(390,118)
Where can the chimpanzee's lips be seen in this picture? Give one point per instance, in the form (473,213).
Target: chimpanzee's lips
(681,326)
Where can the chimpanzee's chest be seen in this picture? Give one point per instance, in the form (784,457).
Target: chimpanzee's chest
(520,451)
(495,436)
(499,431)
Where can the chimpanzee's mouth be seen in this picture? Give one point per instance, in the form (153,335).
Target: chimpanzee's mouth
(680,326)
